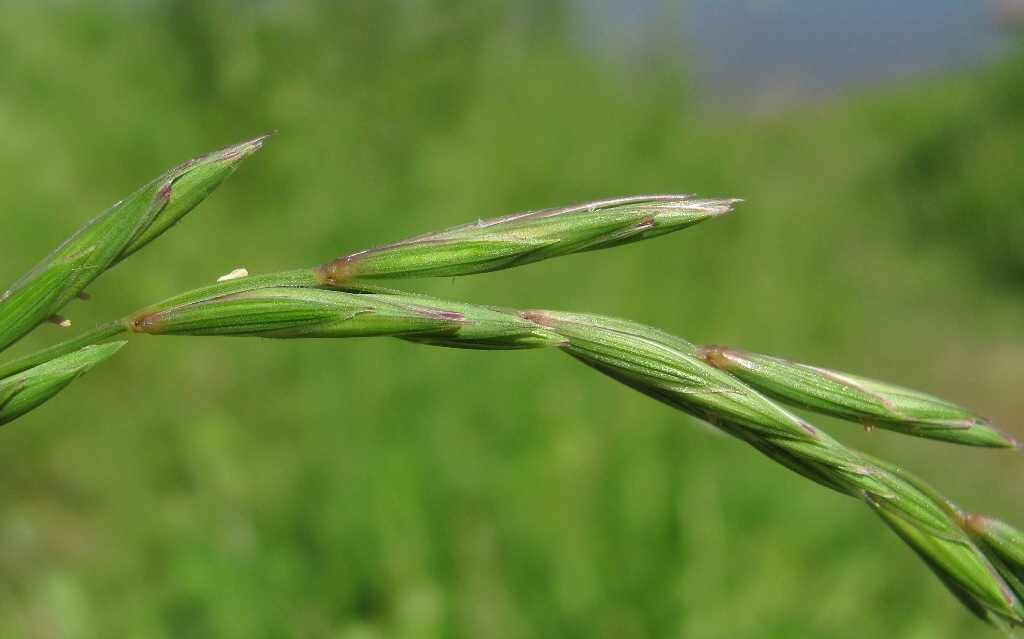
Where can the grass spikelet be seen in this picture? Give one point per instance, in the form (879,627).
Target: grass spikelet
(120,231)
(514,240)
(858,399)
(28,389)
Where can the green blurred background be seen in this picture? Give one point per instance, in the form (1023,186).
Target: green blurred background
(361,489)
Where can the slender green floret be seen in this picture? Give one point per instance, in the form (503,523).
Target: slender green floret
(290,312)
(514,240)
(1005,543)
(28,389)
(190,184)
(858,399)
(285,312)
(123,229)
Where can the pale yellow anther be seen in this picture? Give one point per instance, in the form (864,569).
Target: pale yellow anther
(233,275)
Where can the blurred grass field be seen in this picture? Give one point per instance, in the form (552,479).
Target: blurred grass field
(351,489)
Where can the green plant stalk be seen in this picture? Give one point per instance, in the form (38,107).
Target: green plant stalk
(978,558)
(651,361)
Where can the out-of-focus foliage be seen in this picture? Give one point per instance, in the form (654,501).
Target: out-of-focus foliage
(959,169)
(194,487)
